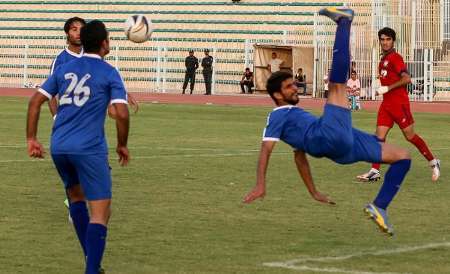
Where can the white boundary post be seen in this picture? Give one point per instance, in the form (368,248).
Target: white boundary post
(442,14)
(428,75)
(431,72)
(413,29)
(374,73)
(158,69)
(247,53)
(116,57)
(315,57)
(164,70)
(25,65)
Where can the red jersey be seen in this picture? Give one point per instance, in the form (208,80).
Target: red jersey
(390,69)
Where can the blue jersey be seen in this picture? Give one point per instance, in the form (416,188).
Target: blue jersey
(331,135)
(63,57)
(289,124)
(85,87)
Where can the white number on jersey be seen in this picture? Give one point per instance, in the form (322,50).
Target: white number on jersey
(80,93)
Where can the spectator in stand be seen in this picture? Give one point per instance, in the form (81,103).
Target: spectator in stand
(354,90)
(300,80)
(275,63)
(325,84)
(247,81)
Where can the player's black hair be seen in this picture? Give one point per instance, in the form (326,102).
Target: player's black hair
(388,32)
(70,21)
(274,82)
(92,35)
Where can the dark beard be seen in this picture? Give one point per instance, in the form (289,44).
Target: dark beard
(292,101)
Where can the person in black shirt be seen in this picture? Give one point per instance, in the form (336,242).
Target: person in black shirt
(207,63)
(247,80)
(191,64)
(300,80)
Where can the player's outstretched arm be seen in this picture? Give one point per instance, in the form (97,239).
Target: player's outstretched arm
(305,172)
(259,191)
(35,149)
(122,125)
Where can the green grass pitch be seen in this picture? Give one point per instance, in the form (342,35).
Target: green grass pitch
(177,206)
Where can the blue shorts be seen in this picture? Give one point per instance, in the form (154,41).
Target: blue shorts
(333,136)
(366,148)
(91,171)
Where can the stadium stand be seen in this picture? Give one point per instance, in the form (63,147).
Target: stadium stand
(31,36)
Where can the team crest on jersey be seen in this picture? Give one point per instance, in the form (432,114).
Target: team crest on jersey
(385,64)
(383,73)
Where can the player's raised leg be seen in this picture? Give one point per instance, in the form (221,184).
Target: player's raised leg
(341,55)
(336,120)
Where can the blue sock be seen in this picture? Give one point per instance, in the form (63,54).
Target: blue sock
(341,52)
(392,182)
(80,219)
(95,246)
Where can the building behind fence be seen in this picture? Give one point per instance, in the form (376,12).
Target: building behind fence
(31,35)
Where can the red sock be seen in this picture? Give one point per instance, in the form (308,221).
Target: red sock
(422,147)
(378,165)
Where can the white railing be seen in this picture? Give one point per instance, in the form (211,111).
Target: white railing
(445,19)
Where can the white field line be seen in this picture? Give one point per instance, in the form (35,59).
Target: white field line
(299,264)
(331,270)
(153,148)
(152,157)
(181,148)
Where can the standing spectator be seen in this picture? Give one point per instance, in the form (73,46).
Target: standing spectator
(207,65)
(247,80)
(275,63)
(354,89)
(191,64)
(325,84)
(300,80)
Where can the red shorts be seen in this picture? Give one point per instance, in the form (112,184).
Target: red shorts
(388,114)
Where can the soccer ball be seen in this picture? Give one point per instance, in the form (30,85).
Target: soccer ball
(138,28)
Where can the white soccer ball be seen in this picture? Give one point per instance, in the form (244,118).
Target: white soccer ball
(138,28)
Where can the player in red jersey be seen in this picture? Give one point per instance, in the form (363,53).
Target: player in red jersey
(394,78)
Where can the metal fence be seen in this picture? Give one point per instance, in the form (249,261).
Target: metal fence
(445,19)
(423,37)
(418,32)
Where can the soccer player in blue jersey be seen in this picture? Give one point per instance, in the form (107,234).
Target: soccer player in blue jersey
(85,86)
(74,50)
(331,135)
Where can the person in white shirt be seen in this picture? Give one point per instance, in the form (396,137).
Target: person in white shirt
(275,63)
(325,84)
(354,89)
